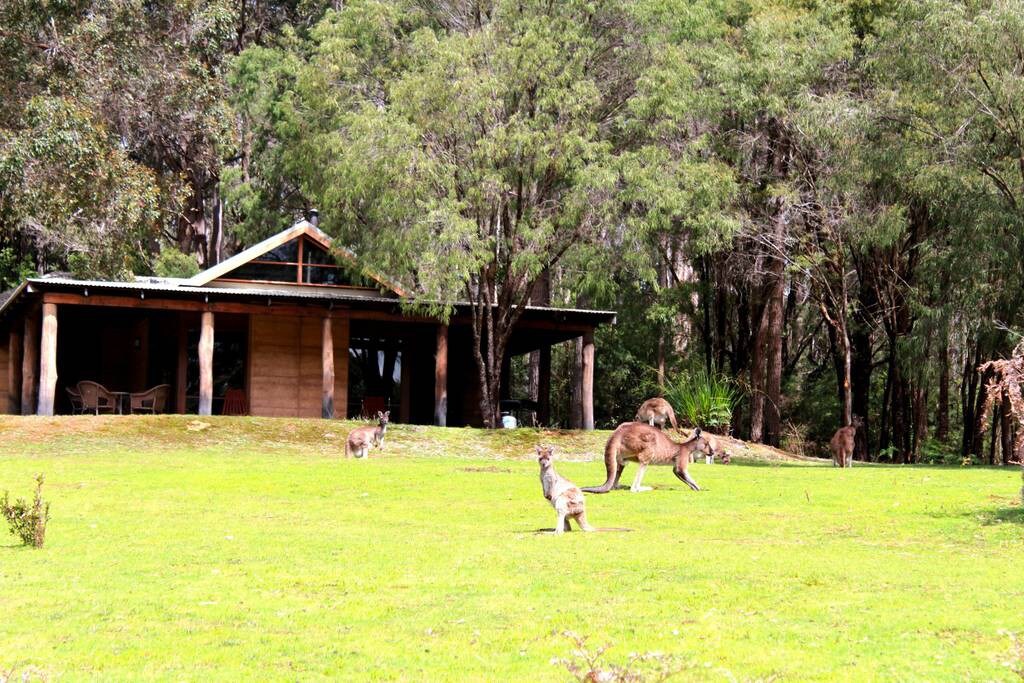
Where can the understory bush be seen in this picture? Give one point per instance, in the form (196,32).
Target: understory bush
(27,521)
(703,399)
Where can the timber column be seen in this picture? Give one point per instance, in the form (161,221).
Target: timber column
(29,364)
(544,386)
(206,364)
(588,380)
(327,402)
(14,373)
(48,360)
(441,377)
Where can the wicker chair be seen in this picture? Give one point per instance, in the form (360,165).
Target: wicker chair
(75,398)
(152,401)
(95,398)
(235,403)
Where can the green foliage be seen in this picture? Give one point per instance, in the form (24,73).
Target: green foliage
(27,520)
(83,200)
(172,263)
(14,269)
(703,400)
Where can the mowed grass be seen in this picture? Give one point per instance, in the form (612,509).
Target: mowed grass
(248,549)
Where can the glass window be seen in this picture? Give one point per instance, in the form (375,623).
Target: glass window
(264,271)
(286,253)
(323,275)
(312,253)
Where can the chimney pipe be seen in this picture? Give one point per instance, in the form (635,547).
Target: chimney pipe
(314,217)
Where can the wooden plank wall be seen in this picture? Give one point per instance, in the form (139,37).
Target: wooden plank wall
(4,404)
(285,366)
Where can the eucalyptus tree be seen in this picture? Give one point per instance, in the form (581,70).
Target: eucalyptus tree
(466,150)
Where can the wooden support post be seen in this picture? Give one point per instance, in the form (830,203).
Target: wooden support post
(206,365)
(405,389)
(341,340)
(327,341)
(48,361)
(181,376)
(588,380)
(14,373)
(544,387)
(29,364)
(441,377)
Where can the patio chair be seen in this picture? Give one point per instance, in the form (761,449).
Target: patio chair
(151,401)
(76,400)
(95,398)
(235,403)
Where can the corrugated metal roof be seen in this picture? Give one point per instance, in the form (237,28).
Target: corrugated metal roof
(180,287)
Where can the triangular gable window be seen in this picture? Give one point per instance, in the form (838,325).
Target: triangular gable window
(300,261)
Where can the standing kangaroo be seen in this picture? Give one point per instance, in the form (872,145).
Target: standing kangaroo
(564,496)
(647,446)
(656,411)
(842,443)
(361,438)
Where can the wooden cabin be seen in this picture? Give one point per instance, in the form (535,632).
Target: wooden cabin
(280,329)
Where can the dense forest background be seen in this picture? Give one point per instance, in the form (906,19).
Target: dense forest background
(818,204)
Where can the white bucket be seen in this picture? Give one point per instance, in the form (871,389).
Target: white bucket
(508,421)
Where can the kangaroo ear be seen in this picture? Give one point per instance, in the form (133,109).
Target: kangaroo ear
(387,413)
(540,449)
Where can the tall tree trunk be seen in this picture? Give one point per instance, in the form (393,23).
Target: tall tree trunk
(920,411)
(758,370)
(773,381)
(942,410)
(978,433)
(968,392)
(860,381)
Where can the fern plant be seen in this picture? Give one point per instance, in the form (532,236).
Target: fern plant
(703,399)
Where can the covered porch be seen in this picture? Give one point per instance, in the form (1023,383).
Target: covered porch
(291,356)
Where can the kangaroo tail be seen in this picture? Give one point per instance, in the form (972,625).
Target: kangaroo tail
(611,465)
(348,452)
(672,418)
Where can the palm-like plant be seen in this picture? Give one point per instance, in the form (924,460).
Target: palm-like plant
(703,399)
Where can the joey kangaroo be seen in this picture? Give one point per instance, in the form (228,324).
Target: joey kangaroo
(842,443)
(656,411)
(717,450)
(647,446)
(361,438)
(564,496)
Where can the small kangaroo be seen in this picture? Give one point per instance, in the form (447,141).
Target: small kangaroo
(716,448)
(842,443)
(564,496)
(361,438)
(656,411)
(648,446)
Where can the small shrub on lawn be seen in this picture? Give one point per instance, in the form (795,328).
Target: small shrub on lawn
(587,666)
(703,400)
(27,521)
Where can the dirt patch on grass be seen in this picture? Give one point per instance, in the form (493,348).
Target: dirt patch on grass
(82,434)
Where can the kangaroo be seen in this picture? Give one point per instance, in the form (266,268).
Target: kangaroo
(361,438)
(657,411)
(716,448)
(647,446)
(564,496)
(842,443)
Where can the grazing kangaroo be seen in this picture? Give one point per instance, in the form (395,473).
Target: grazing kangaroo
(361,438)
(842,443)
(656,411)
(647,446)
(716,448)
(564,496)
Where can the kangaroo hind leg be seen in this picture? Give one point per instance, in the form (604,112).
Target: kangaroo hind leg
(636,487)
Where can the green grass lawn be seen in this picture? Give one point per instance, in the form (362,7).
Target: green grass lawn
(250,549)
